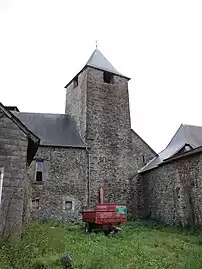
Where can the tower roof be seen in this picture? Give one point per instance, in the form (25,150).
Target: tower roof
(97,60)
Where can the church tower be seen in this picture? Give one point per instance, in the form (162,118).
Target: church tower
(97,98)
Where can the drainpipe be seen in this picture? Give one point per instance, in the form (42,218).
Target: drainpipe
(89,169)
(88,154)
(101,195)
(1,183)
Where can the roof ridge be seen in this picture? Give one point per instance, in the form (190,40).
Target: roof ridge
(181,125)
(37,113)
(191,125)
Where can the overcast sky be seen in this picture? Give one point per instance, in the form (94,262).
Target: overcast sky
(44,43)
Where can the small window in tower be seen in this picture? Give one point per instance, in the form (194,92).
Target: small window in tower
(75,82)
(35,203)
(108,77)
(39,170)
(143,159)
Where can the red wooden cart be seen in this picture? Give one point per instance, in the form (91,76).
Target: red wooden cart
(106,217)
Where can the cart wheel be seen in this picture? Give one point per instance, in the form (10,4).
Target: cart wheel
(88,228)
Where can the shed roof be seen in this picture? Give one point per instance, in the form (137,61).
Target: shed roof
(53,129)
(186,135)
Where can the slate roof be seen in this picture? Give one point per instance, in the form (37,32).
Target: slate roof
(186,135)
(53,129)
(97,60)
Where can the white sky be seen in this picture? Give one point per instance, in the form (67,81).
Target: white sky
(158,43)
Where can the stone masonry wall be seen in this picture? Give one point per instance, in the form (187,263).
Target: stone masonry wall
(64,179)
(76,102)
(174,193)
(109,137)
(142,154)
(102,114)
(13,156)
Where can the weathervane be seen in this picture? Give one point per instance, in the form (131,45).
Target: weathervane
(96,44)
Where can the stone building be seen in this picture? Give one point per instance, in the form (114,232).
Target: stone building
(92,145)
(171,183)
(18,146)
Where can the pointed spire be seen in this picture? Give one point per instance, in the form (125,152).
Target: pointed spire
(97,60)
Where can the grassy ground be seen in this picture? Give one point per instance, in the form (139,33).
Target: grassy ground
(140,245)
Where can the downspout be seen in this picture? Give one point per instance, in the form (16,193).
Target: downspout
(1,183)
(89,170)
(101,195)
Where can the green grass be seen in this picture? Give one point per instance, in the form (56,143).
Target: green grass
(139,245)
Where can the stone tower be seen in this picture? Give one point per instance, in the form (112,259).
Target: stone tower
(97,98)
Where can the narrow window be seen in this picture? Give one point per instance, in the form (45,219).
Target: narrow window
(35,203)
(75,82)
(187,148)
(108,77)
(143,159)
(68,205)
(39,170)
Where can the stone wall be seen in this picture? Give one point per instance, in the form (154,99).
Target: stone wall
(174,192)
(142,154)
(64,179)
(76,102)
(13,157)
(102,113)
(109,136)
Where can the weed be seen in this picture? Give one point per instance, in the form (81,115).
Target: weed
(142,244)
